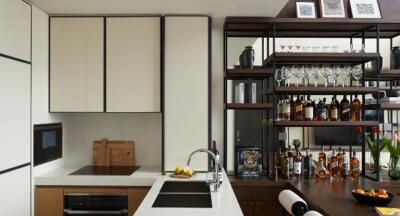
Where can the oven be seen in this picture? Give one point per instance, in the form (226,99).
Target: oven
(85,204)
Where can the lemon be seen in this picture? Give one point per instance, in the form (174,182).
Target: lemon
(178,170)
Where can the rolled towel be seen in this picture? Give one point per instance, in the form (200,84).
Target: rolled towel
(292,203)
(312,213)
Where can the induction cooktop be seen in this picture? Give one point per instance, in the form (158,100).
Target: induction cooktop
(106,170)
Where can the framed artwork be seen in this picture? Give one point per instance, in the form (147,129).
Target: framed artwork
(249,162)
(305,10)
(365,9)
(332,9)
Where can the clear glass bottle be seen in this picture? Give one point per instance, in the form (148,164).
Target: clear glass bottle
(356,109)
(309,110)
(345,109)
(354,166)
(286,109)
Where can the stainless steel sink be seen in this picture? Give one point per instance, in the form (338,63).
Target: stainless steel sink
(182,194)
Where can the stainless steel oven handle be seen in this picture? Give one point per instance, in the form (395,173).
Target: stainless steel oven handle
(80,212)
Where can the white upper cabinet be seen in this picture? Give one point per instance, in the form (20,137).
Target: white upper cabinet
(186,91)
(77,64)
(133,64)
(15,113)
(15,29)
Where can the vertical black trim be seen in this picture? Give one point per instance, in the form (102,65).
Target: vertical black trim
(105,64)
(162,67)
(49,59)
(209,87)
(30,120)
(225,99)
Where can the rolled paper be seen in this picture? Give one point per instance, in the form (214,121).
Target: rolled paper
(292,203)
(312,213)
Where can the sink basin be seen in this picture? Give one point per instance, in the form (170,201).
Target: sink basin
(184,194)
(185,187)
(183,200)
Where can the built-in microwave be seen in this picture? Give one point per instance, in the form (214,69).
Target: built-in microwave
(47,142)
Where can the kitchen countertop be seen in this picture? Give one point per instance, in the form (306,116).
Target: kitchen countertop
(224,202)
(144,176)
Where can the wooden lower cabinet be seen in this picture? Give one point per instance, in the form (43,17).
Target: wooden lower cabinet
(259,200)
(49,201)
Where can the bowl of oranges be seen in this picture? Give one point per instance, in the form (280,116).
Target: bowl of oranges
(374,197)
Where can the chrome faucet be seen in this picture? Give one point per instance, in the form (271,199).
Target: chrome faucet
(215,181)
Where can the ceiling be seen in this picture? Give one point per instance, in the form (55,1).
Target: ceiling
(215,8)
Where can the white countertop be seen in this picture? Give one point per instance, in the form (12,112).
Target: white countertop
(224,202)
(144,176)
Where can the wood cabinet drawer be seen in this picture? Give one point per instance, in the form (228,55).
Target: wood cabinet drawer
(257,193)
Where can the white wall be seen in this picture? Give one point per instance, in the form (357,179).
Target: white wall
(40,77)
(83,128)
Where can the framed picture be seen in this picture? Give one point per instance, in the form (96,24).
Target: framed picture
(365,9)
(305,10)
(249,162)
(332,9)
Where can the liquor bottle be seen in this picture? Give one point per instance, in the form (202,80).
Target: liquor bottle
(333,165)
(315,109)
(286,109)
(322,155)
(290,158)
(308,161)
(321,170)
(309,110)
(285,173)
(344,109)
(340,158)
(356,109)
(333,112)
(354,166)
(299,109)
(280,108)
(345,166)
(322,114)
(292,108)
(297,163)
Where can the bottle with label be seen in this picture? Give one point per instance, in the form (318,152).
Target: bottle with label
(286,109)
(354,166)
(322,113)
(345,166)
(333,113)
(285,166)
(290,158)
(278,165)
(292,108)
(333,165)
(280,108)
(315,109)
(344,109)
(321,171)
(356,109)
(309,110)
(308,161)
(297,161)
(299,109)
(322,156)
(340,158)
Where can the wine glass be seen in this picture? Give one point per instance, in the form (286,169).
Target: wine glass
(356,73)
(279,76)
(314,73)
(304,75)
(346,74)
(288,75)
(327,74)
(297,74)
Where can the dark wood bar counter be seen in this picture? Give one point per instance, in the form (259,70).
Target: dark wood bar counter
(329,197)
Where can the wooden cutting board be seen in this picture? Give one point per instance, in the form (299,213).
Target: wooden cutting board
(113,153)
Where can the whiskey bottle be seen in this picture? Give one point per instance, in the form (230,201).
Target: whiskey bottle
(299,109)
(345,166)
(340,158)
(285,166)
(322,112)
(315,109)
(333,113)
(344,109)
(333,165)
(286,109)
(280,108)
(322,156)
(354,166)
(321,171)
(278,165)
(308,162)
(309,110)
(356,109)
(297,163)
(290,158)
(292,108)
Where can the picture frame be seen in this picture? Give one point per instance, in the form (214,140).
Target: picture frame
(333,8)
(249,162)
(306,10)
(365,9)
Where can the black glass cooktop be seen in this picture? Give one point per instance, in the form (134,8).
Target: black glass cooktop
(106,170)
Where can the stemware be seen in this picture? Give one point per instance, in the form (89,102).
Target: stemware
(327,74)
(346,75)
(303,75)
(288,73)
(314,73)
(297,74)
(279,75)
(356,73)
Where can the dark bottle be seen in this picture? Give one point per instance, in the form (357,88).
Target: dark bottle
(322,112)
(356,109)
(280,108)
(285,109)
(307,165)
(285,173)
(345,109)
(309,110)
(292,108)
(395,58)
(333,112)
(345,165)
(291,159)
(299,114)
(315,109)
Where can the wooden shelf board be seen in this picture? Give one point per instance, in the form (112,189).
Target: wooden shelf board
(319,58)
(325,123)
(249,106)
(325,90)
(256,73)
(385,74)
